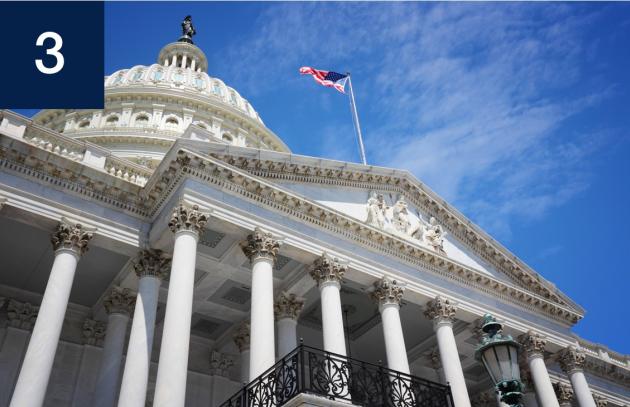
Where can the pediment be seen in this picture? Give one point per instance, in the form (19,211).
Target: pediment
(345,188)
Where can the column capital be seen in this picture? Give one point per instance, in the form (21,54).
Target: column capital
(600,401)
(327,268)
(219,363)
(188,218)
(441,309)
(564,393)
(241,337)
(71,236)
(120,301)
(288,306)
(260,244)
(93,332)
(153,263)
(387,291)
(534,343)
(571,359)
(22,314)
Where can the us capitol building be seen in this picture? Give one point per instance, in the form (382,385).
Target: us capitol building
(169,251)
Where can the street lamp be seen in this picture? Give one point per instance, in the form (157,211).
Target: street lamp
(499,354)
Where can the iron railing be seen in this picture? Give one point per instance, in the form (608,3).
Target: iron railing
(336,377)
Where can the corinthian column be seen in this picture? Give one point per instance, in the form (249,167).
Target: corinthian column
(534,345)
(287,309)
(69,242)
(241,339)
(186,223)
(328,273)
(119,305)
(572,363)
(261,249)
(564,394)
(442,312)
(388,294)
(151,267)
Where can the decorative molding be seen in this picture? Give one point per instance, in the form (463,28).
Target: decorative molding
(440,310)
(327,268)
(93,332)
(534,343)
(260,244)
(220,363)
(600,401)
(387,291)
(188,218)
(564,393)
(152,263)
(571,359)
(22,314)
(241,337)
(120,301)
(288,306)
(71,236)
(434,358)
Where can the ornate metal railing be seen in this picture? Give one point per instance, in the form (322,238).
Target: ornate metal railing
(313,371)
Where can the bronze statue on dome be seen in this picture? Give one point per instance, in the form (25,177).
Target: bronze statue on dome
(188,30)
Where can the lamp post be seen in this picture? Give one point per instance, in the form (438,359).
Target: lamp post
(499,355)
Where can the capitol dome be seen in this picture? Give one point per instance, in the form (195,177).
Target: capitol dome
(148,107)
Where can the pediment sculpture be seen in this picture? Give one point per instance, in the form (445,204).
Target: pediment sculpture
(396,219)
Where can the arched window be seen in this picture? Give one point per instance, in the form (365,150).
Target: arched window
(157,75)
(138,75)
(216,88)
(171,123)
(112,120)
(233,98)
(142,120)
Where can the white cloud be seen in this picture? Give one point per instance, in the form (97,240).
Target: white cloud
(466,96)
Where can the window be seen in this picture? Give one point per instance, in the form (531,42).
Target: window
(171,123)
(233,98)
(199,83)
(142,120)
(112,120)
(84,123)
(216,88)
(118,79)
(138,75)
(227,137)
(178,77)
(157,75)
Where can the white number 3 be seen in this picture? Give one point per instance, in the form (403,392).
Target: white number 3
(54,51)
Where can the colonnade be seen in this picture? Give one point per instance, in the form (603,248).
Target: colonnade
(255,340)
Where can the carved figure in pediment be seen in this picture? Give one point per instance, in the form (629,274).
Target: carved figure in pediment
(434,235)
(400,218)
(376,208)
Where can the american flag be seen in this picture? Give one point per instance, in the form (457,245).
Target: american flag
(327,78)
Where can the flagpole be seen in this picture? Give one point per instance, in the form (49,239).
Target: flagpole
(355,116)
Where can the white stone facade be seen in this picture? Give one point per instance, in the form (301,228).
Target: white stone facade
(184,263)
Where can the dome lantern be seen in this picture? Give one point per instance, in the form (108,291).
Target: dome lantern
(183,53)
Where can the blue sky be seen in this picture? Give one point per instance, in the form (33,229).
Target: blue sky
(517,114)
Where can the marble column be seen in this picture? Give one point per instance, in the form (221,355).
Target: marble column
(388,293)
(572,361)
(328,272)
(119,305)
(442,311)
(564,394)
(261,249)
(187,224)
(534,345)
(69,242)
(151,267)
(287,310)
(241,339)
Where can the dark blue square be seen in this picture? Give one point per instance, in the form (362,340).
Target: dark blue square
(79,84)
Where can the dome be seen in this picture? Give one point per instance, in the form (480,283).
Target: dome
(148,107)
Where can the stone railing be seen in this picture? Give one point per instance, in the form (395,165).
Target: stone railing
(99,158)
(127,171)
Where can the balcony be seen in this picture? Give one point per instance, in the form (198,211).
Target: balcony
(313,371)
